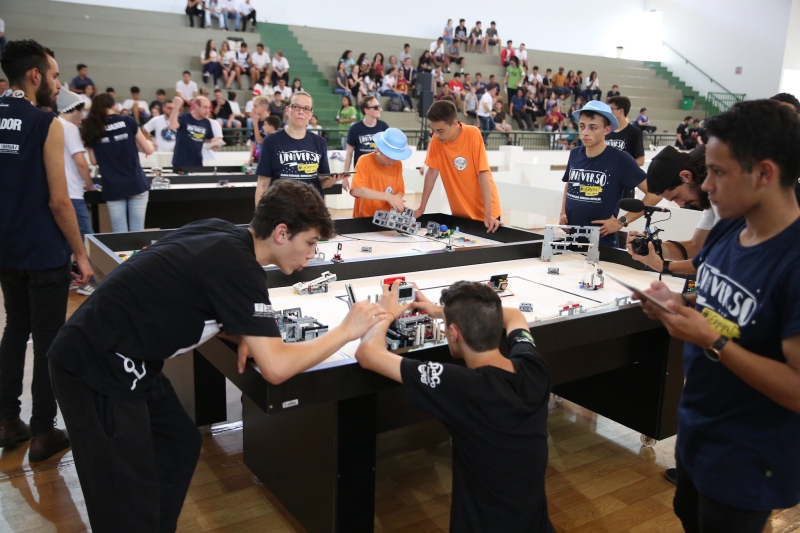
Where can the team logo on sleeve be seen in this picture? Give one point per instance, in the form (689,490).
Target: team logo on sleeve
(525,336)
(429,374)
(460,163)
(130,367)
(263,311)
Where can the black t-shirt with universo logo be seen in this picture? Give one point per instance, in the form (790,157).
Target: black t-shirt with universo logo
(498,423)
(629,139)
(283,157)
(360,137)
(189,140)
(165,300)
(118,159)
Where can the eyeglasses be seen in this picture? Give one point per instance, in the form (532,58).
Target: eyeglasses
(375,107)
(304,109)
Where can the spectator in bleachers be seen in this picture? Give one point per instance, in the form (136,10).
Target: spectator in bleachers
(454,56)
(209,58)
(154,112)
(230,9)
(355,82)
(613,92)
(277,106)
(485,107)
(457,89)
(560,83)
(499,117)
(643,121)
(402,86)
(256,121)
(492,38)
(125,187)
(271,124)
(551,101)
(259,63)
(314,127)
(284,89)
(506,53)
(438,78)
(237,110)
(186,88)
(341,88)
(476,40)
(241,64)
(547,82)
(136,106)
(461,34)
(390,89)
(448,95)
(280,68)
(204,91)
(522,54)
(3,86)
(347,59)
(222,111)
(410,73)
(578,88)
(158,128)
(578,103)
(493,85)
(360,137)
(346,117)
(393,63)
(363,60)
(425,63)
(467,82)
(405,54)
(626,137)
(438,54)
(534,75)
(513,78)
(371,84)
(533,108)
(470,106)
(480,85)
(88,94)
(682,137)
(79,82)
(264,87)
(571,83)
(227,65)
(448,34)
(112,92)
(212,8)
(377,66)
(592,88)
(248,13)
(519,110)
(194,8)
(554,119)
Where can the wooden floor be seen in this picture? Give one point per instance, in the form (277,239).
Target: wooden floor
(599,480)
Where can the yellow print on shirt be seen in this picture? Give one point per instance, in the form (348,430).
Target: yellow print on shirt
(308,168)
(721,325)
(591,190)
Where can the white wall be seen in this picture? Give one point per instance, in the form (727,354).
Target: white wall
(790,79)
(720,35)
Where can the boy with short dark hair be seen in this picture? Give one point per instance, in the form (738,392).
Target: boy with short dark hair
(495,407)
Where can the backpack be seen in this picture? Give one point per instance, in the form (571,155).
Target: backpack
(396,104)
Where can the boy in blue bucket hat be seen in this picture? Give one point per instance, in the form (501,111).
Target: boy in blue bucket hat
(596,177)
(378,182)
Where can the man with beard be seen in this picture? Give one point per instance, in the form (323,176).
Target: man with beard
(37,222)
(677,176)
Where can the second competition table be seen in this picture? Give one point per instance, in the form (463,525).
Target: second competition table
(311,440)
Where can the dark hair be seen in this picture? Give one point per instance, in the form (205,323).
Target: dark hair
(208,49)
(688,117)
(187,72)
(536,67)
(94,125)
(301,83)
(476,309)
(261,45)
(457,75)
(491,76)
(21,56)
(787,98)
(461,20)
(349,100)
(442,111)
(274,121)
(110,90)
(241,44)
(659,179)
(80,66)
(231,95)
(344,55)
(376,58)
(160,92)
(135,89)
(217,90)
(492,22)
(757,130)
(642,109)
(509,42)
(515,59)
(615,85)
(548,70)
(297,205)
(592,114)
(362,57)
(406,45)
(622,102)
(363,104)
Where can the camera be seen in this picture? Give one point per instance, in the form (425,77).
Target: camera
(639,244)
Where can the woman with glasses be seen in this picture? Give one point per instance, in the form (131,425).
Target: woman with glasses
(294,152)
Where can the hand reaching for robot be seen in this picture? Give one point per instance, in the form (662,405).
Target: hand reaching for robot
(362,316)
(423,304)
(396,202)
(389,300)
(244,354)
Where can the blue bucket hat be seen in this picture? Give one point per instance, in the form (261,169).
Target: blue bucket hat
(393,144)
(598,107)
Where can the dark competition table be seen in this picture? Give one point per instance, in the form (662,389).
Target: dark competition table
(311,439)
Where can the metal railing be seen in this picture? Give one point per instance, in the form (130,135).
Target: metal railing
(717,103)
(688,62)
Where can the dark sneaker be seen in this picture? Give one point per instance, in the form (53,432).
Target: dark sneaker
(12,432)
(671,475)
(46,445)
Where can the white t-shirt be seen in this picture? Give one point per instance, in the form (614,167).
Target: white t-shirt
(235,107)
(388,82)
(485,99)
(72,145)
(186,91)
(280,64)
(226,58)
(216,129)
(522,54)
(403,56)
(260,60)
(242,58)
(266,90)
(438,76)
(228,4)
(245,8)
(708,219)
(2,26)
(537,77)
(143,108)
(248,107)
(214,54)
(286,92)
(593,85)
(436,48)
(158,127)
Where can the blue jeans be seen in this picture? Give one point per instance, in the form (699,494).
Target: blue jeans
(213,68)
(220,16)
(487,123)
(82,212)
(128,214)
(343,92)
(236,17)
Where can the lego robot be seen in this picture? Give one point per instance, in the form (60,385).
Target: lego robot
(592,278)
(403,222)
(526,307)
(315,286)
(573,238)
(337,257)
(295,327)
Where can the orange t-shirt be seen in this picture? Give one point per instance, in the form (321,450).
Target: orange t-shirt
(373,175)
(459,163)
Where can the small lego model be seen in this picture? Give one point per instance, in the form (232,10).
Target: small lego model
(526,307)
(432,229)
(366,249)
(499,283)
(572,239)
(406,294)
(337,257)
(315,286)
(320,256)
(389,281)
(570,308)
(592,278)
(552,270)
(351,295)
(295,327)
(159,182)
(449,246)
(623,300)
(414,329)
(403,222)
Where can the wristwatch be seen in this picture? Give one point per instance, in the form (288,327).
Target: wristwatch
(623,220)
(712,352)
(665,267)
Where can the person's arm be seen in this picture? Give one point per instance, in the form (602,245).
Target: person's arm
(369,194)
(60,204)
(83,170)
(679,138)
(671,252)
(430,180)
(563,220)
(174,124)
(261,186)
(143,144)
(348,158)
(92,158)
(640,160)
(491,223)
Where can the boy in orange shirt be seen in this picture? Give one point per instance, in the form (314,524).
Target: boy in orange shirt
(378,182)
(457,153)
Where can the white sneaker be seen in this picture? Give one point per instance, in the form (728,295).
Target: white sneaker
(86,290)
